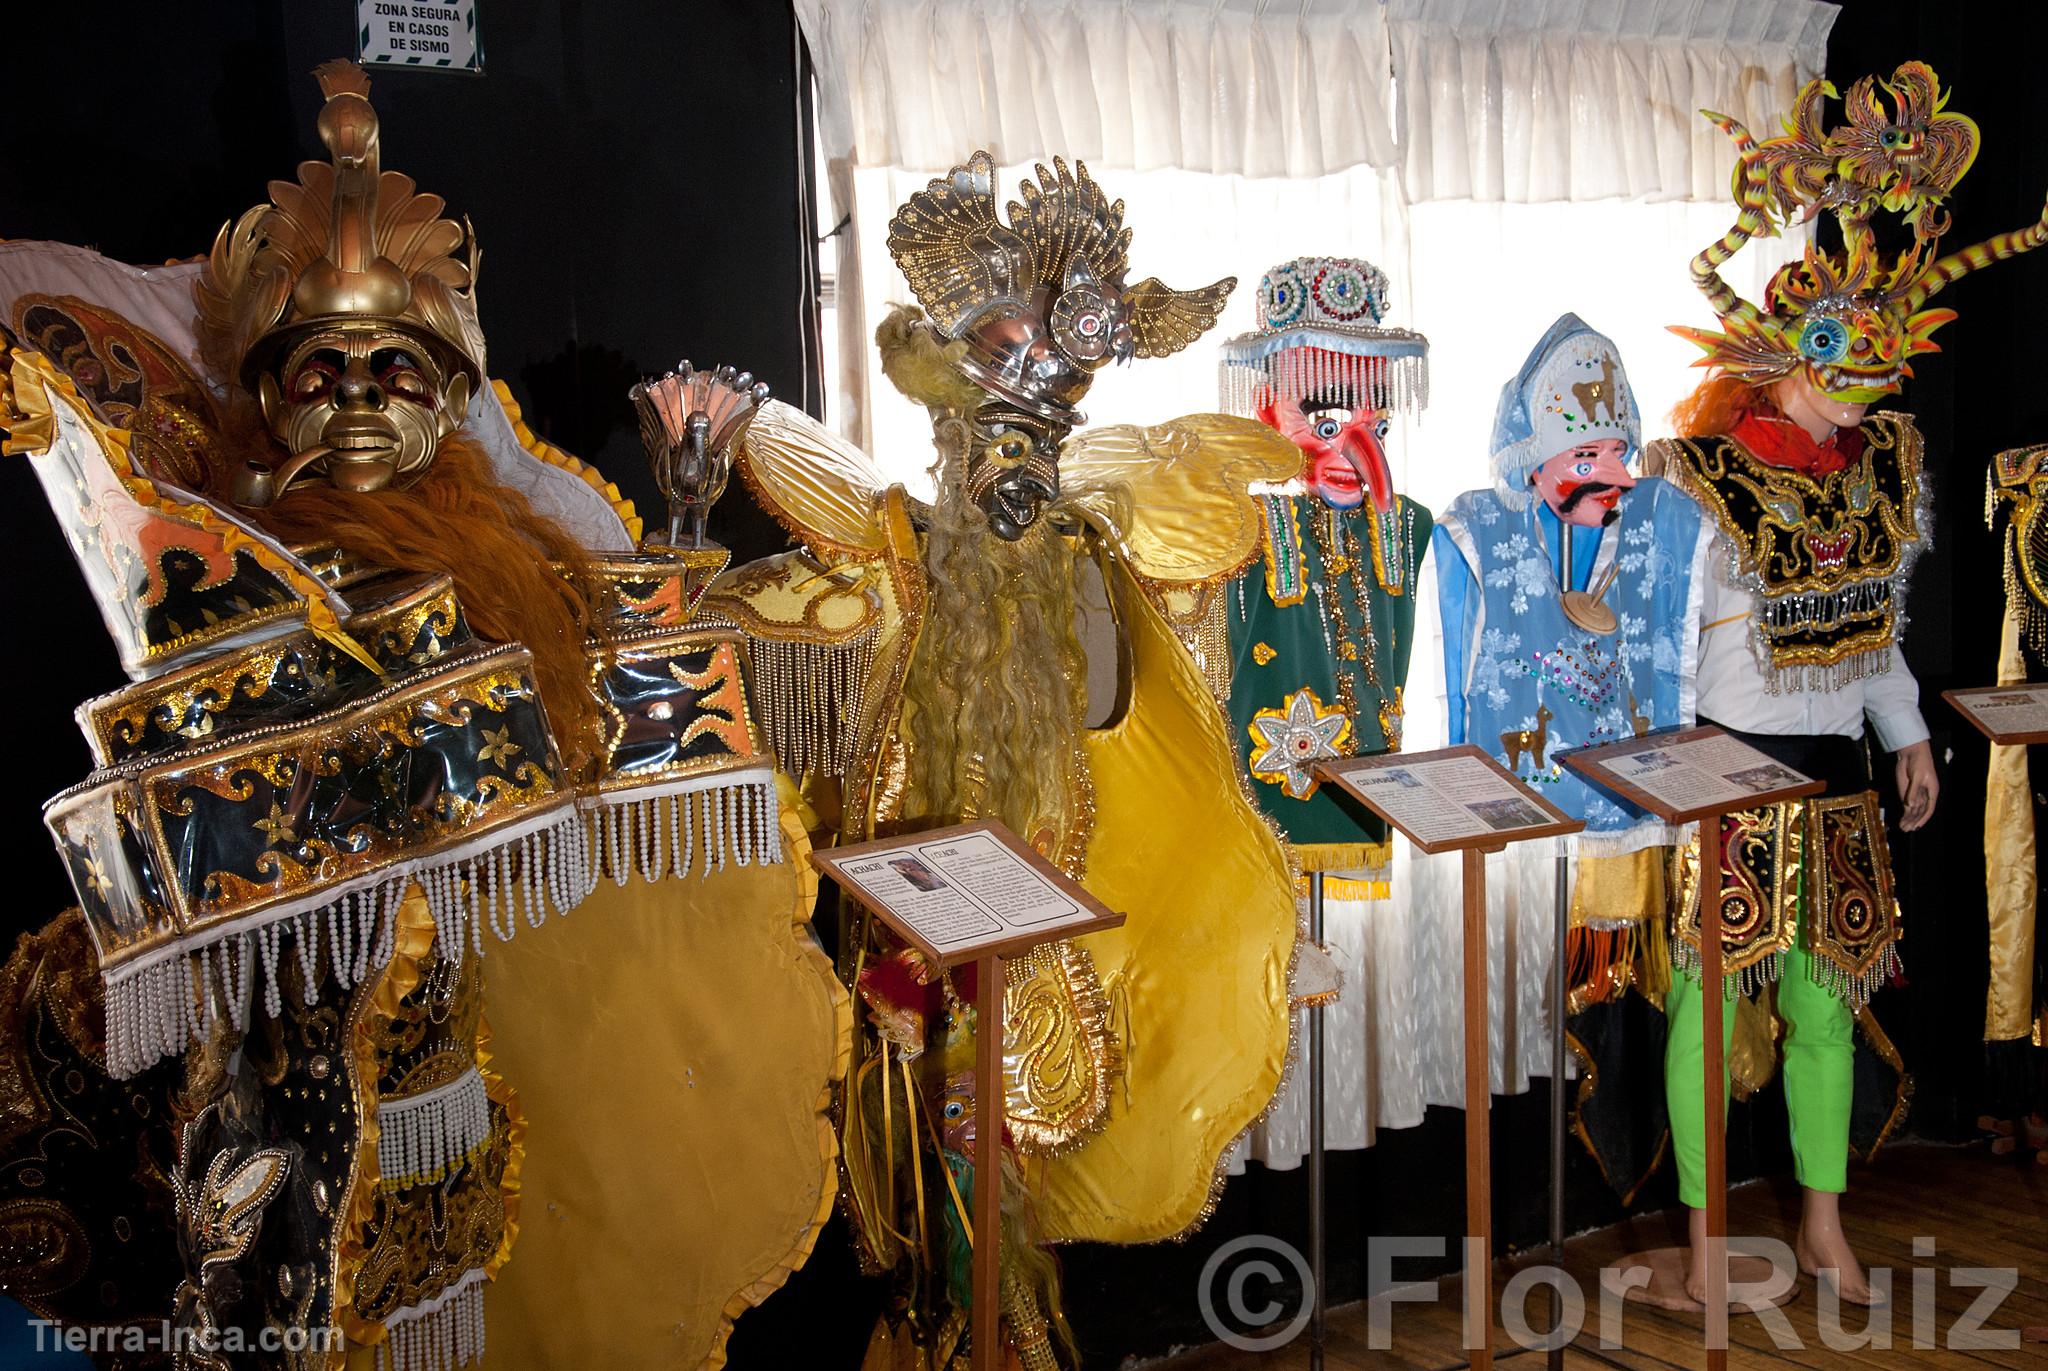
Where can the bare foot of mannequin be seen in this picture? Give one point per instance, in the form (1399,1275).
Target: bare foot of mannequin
(1695,1269)
(1822,1250)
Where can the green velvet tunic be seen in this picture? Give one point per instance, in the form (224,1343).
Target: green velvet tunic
(1298,618)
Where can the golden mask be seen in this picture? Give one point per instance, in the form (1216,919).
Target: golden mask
(347,305)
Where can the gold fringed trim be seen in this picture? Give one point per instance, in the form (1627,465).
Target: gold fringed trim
(545,451)
(810,697)
(1348,888)
(1371,858)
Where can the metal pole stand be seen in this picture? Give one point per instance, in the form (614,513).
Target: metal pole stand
(1559,993)
(1319,1304)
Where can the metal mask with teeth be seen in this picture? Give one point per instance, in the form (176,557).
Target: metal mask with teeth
(1029,306)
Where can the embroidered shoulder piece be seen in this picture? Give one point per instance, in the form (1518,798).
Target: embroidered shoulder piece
(1827,558)
(2013,507)
(1173,498)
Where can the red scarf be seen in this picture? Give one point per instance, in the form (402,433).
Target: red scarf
(1779,442)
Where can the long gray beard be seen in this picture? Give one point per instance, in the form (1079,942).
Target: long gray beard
(998,684)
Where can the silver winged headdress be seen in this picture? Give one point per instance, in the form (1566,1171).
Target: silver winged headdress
(1039,301)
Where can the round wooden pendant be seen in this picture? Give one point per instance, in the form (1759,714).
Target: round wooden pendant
(1588,613)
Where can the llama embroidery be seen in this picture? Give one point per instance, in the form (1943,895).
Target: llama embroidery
(1533,741)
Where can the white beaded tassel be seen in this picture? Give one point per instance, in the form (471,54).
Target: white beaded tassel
(440,1334)
(421,1137)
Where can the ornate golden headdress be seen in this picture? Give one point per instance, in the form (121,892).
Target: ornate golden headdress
(1852,319)
(346,243)
(1040,301)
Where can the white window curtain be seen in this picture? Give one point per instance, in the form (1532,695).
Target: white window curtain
(1550,157)
(1540,100)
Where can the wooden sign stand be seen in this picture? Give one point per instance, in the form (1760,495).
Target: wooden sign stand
(1593,763)
(2029,701)
(987,949)
(1478,1255)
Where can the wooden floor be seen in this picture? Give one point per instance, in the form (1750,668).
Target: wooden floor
(1980,1211)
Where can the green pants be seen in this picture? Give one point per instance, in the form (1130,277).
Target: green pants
(1819,1055)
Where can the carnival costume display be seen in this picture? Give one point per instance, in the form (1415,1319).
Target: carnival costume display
(403,685)
(1819,511)
(1311,644)
(927,665)
(2016,1003)
(1569,595)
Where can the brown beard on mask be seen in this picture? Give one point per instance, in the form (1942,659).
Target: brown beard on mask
(501,555)
(997,689)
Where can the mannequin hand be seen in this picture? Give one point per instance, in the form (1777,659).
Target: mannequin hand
(1917,784)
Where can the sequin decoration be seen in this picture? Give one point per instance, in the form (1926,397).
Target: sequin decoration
(1295,737)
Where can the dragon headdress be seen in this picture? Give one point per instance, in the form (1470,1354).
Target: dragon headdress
(1852,319)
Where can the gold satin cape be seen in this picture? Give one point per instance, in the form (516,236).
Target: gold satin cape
(1195,981)
(674,1059)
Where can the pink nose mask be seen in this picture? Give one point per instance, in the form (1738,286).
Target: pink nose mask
(1347,457)
(1585,485)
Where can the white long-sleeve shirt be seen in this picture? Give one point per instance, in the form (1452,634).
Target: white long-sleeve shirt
(1732,688)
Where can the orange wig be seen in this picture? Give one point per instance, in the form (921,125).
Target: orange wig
(500,553)
(1718,404)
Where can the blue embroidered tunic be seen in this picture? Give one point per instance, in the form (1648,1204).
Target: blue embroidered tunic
(1523,680)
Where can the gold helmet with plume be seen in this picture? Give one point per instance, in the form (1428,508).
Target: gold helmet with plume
(347,305)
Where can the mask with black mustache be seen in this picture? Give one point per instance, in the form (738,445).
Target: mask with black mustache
(1571,501)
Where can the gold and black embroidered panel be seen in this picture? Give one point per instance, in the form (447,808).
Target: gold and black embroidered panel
(88,1222)
(1817,870)
(675,704)
(1827,557)
(173,845)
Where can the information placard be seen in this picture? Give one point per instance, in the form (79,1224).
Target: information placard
(436,36)
(2015,715)
(1454,798)
(966,891)
(1687,775)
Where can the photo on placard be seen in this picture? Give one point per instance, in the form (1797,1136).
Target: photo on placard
(1508,813)
(1641,763)
(1757,779)
(917,873)
(1400,776)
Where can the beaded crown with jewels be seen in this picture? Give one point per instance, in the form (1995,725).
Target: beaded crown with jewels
(1852,319)
(1320,335)
(1039,301)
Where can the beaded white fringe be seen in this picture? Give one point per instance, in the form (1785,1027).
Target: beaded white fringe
(700,826)
(421,1138)
(808,699)
(439,1334)
(156,1007)
(1398,383)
